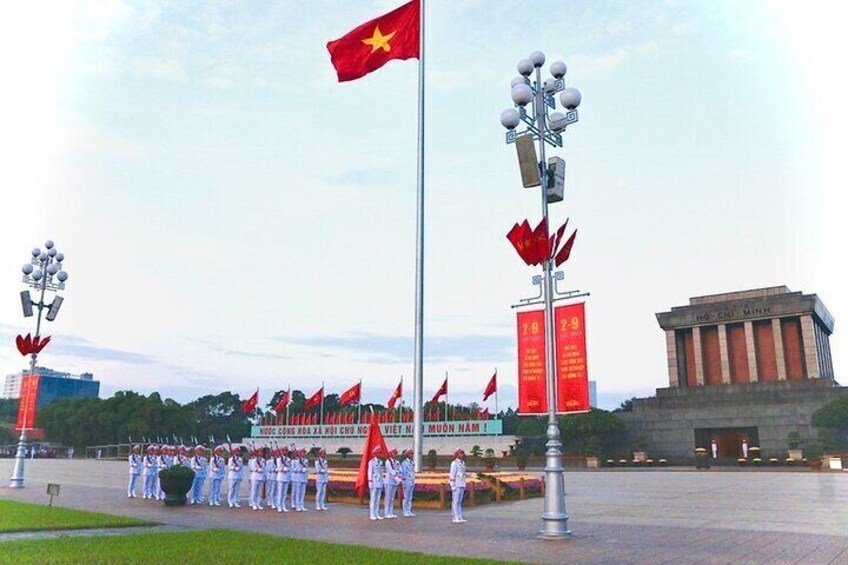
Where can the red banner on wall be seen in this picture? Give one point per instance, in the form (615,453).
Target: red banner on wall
(26,408)
(532,396)
(571,364)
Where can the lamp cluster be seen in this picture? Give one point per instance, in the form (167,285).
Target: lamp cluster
(44,270)
(540,93)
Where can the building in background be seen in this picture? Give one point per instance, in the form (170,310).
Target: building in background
(53,385)
(750,365)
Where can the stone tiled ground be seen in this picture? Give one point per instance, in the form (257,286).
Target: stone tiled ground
(669,516)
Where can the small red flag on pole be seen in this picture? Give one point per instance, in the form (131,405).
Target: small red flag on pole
(249,405)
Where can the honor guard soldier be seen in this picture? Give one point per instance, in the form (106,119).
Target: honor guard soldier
(134,463)
(271,479)
(198,465)
(182,456)
(163,461)
(391,484)
(300,478)
(322,477)
(257,475)
(457,485)
(407,477)
(283,478)
(150,470)
(216,475)
(234,476)
(375,482)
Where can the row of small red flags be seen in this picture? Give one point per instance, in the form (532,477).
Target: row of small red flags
(342,418)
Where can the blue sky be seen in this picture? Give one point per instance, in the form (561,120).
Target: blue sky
(233,217)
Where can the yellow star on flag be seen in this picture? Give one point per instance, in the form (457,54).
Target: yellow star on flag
(379,41)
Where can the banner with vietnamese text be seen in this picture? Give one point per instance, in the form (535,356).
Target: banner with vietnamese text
(26,408)
(532,389)
(571,367)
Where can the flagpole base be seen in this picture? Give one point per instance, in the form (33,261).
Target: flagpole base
(17,480)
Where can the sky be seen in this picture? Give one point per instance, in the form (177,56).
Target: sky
(233,217)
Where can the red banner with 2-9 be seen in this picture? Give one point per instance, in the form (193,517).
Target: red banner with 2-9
(571,366)
(572,376)
(26,408)
(532,395)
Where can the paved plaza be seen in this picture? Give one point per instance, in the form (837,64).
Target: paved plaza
(619,516)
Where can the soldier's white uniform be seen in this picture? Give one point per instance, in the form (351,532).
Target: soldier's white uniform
(390,486)
(198,465)
(300,479)
(150,470)
(257,475)
(163,461)
(407,477)
(134,468)
(322,477)
(457,483)
(375,486)
(234,476)
(216,475)
(283,481)
(271,482)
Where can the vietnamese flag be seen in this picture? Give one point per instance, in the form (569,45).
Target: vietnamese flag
(491,388)
(372,440)
(373,44)
(249,405)
(351,395)
(564,253)
(396,395)
(443,390)
(315,400)
(282,403)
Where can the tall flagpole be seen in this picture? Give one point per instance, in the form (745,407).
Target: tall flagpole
(447,388)
(359,405)
(288,402)
(321,412)
(418,352)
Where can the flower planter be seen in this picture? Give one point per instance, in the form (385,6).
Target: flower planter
(757,461)
(815,464)
(741,461)
(610,462)
(175,482)
(592,462)
(773,461)
(702,459)
(662,462)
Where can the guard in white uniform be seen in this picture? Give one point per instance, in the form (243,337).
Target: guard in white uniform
(216,475)
(182,456)
(300,479)
(164,461)
(257,475)
(150,471)
(198,465)
(322,477)
(375,482)
(457,484)
(134,463)
(391,484)
(407,477)
(234,476)
(283,479)
(271,479)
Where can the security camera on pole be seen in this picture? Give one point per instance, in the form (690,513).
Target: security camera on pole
(545,128)
(43,273)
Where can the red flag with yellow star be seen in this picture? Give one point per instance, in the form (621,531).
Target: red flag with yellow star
(375,43)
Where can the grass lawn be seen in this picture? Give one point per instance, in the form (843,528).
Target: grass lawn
(223,546)
(23,517)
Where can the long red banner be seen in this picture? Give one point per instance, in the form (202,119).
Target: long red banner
(571,366)
(26,408)
(532,397)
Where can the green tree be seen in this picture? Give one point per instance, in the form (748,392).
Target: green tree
(577,429)
(832,421)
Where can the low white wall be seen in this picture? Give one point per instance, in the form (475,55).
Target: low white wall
(442,445)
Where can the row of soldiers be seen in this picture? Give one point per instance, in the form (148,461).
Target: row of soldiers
(282,468)
(276,470)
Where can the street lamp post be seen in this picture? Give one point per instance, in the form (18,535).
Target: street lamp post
(43,273)
(547,129)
